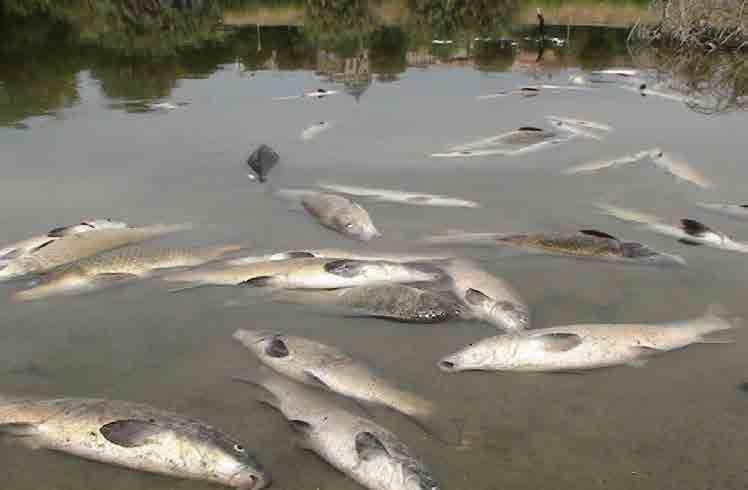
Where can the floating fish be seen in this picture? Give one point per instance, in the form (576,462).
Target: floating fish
(356,446)
(688,231)
(387,195)
(341,214)
(118,266)
(581,347)
(394,302)
(591,244)
(489,298)
(262,160)
(70,248)
(615,162)
(314,130)
(732,210)
(32,244)
(310,273)
(132,435)
(330,253)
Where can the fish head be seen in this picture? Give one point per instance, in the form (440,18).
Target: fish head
(390,467)
(229,462)
(634,250)
(510,315)
(356,223)
(495,353)
(263,343)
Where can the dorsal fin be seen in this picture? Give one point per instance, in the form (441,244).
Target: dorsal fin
(529,128)
(694,228)
(36,249)
(597,233)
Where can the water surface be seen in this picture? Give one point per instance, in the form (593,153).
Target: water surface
(76,143)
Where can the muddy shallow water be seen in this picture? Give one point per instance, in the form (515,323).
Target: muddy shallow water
(678,422)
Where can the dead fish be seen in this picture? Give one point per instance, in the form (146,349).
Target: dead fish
(403,197)
(582,123)
(614,162)
(531,91)
(395,302)
(133,435)
(687,231)
(338,253)
(306,273)
(584,244)
(580,347)
(522,140)
(32,244)
(340,214)
(489,298)
(732,210)
(315,129)
(314,94)
(262,160)
(322,366)
(70,248)
(117,266)
(354,445)
(678,168)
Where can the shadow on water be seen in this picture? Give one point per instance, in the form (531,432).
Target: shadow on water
(139,50)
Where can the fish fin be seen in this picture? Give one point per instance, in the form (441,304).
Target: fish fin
(258,282)
(11,254)
(300,426)
(276,349)
(314,380)
(36,249)
(344,267)
(694,228)
(685,241)
(302,430)
(600,234)
(644,353)
(368,445)
(299,255)
(130,432)
(263,395)
(19,429)
(559,342)
(474,297)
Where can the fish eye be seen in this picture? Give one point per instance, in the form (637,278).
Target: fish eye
(349,225)
(239,448)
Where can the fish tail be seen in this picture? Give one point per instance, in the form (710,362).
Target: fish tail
(715,319)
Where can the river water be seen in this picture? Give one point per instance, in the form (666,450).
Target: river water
(677,422)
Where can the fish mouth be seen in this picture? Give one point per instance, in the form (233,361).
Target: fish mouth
(244,481)
(447,366)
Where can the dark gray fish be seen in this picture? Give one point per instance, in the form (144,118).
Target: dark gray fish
(262,160)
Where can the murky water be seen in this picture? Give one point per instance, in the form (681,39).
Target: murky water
(676,423)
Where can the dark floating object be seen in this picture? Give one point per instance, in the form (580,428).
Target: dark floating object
(743,386)
(262,160)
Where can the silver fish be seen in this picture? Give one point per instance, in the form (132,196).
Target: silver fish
(337,253)
(580,347)
(402,197)
(70,248)
(117,266)
(733,210)
(358,447)
(489,298)
(310,273)
(341,214)
(322,366)
(687,231)
(315,129)
(133,435)
(32,244)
